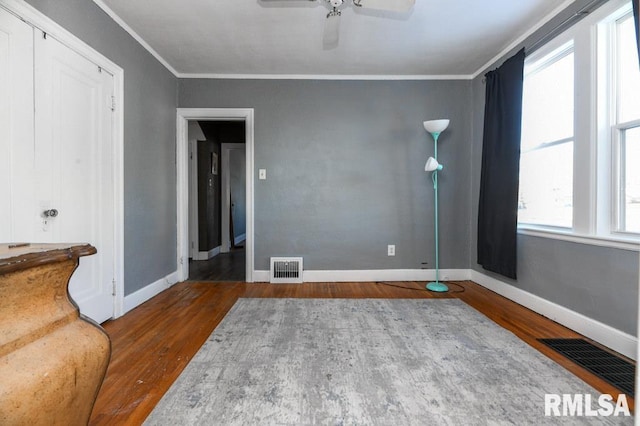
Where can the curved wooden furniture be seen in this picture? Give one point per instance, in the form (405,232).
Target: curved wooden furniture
(52,360)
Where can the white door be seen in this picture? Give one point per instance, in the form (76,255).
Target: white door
(16,128)
(73,165)
(58,158)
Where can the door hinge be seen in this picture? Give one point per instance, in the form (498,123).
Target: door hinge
(113,103)
(113,287)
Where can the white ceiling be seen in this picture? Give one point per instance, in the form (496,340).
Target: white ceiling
(252,37)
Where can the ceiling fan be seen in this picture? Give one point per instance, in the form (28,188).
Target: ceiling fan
(332,23)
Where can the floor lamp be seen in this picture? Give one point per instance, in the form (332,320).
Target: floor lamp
(435,127)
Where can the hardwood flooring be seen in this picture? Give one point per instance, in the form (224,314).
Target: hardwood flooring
(223,267)
(153,343)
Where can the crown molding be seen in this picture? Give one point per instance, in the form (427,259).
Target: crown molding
(505,51)
(324,76)
(135,35)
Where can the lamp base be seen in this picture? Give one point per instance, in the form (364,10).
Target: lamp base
(437,286)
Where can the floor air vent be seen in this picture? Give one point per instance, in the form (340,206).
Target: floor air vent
(612,369)
(286,270)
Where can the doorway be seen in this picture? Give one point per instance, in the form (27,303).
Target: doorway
(217,200)
(184,116)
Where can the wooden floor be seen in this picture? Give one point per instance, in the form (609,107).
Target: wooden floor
(153,343)
(223,267)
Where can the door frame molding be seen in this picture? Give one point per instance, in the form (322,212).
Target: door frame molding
(37,19)
(182,179)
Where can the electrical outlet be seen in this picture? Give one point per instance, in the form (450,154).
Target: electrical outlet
(391,250)
(262,174)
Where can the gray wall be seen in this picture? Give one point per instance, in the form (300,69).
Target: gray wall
(149,140)
(345,168)
(599,282)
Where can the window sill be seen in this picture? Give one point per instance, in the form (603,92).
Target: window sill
(631,244)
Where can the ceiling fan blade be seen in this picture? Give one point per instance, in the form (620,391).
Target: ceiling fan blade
(331,35)
(390,5)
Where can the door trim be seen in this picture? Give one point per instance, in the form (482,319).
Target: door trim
(182,178)
(36,19)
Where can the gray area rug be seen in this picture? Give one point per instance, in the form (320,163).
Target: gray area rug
(366,362)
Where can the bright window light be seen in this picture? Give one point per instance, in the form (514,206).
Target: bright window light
(626,128)
(628,84)
(546,161)
(630,181)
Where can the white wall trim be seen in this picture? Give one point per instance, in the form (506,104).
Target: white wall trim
(621,243)
(135,35)
(113,15)
(239,239)
(35,18)
(374,275)
(613,338)
(137,298)
(182,168)
(214,76)
(206,255)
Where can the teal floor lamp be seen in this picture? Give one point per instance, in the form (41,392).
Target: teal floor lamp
(435,127)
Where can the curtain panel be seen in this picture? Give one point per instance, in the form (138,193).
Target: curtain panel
(498,205)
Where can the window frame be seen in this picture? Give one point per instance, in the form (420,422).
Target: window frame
(618,128)
(596,161)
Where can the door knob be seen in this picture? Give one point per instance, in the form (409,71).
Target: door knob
(50,213)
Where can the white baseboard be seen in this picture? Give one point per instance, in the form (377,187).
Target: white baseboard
(373,275)
(239,239)
(206,255)
(384,275)
(610,337)
(137,298)
(260,276)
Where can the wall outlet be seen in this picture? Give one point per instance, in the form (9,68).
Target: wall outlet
(262,174)
(391,250)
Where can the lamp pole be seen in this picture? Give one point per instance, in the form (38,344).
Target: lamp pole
(434,177)
(435,127)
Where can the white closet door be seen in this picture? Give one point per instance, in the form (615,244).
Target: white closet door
(18,216)
(73,166)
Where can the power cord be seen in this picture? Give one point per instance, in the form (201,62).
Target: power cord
(461,288)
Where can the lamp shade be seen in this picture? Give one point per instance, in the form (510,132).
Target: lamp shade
(436,126)
(432,165)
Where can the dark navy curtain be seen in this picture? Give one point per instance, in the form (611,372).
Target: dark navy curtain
(636,14)
(498,207)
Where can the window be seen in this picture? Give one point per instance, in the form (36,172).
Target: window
(546,161)
(580,147)
(626,127)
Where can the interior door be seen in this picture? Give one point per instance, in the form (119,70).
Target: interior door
(73,167)
(16,129)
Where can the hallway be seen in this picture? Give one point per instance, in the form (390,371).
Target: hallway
(223,267)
